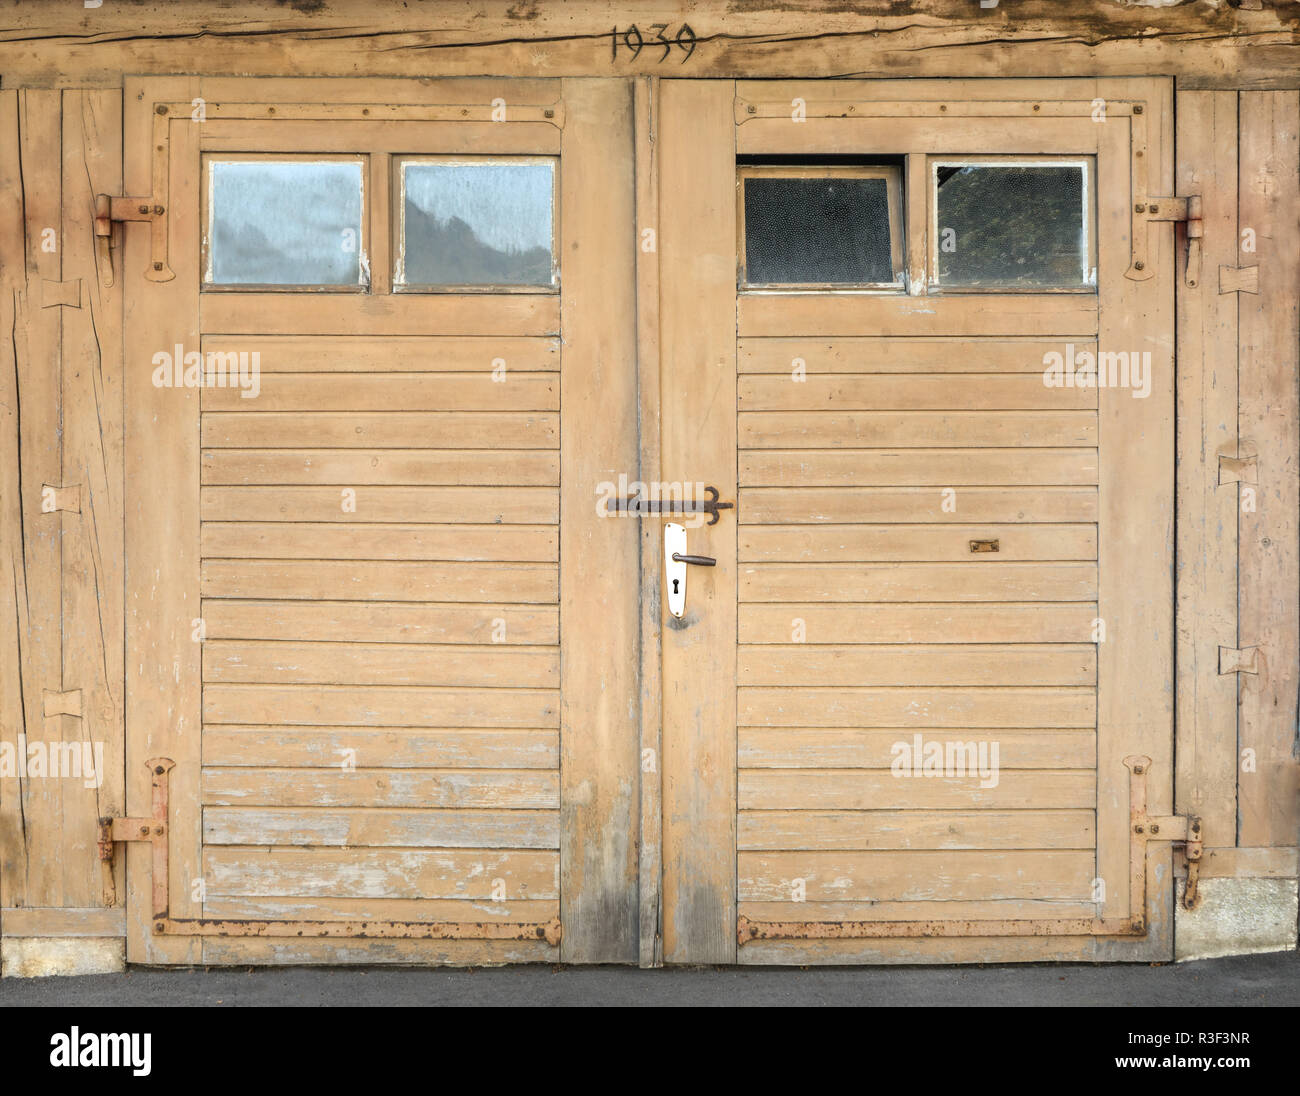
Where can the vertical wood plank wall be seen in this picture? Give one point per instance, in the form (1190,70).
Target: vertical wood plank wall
(62,609)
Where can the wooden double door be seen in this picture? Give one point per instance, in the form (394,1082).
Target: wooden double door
(393,348)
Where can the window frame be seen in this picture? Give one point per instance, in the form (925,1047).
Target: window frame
(207,211)
(1088,161)
(893,176)
(397,189)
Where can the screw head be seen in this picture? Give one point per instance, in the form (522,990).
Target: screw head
(1139,266)
(1139,208)
(158,266)
(1138,108)
(158,928)
(158,769)
(751,109)
(1155,208)
(160,109)
(144,831)
(1138,829)
(1155,829)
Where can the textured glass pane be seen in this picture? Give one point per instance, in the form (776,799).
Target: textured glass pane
(827,229)
(288,222)
(478,223)
(1011,226)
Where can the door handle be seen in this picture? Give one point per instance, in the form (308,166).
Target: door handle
(675,560)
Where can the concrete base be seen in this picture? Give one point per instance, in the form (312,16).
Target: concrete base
(39,956)
(1237,917)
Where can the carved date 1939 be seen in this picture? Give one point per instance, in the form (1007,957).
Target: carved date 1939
(634,40)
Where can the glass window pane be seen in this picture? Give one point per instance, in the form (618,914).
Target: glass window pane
(285,222)
(816,229)
(477,223)
(1011,226)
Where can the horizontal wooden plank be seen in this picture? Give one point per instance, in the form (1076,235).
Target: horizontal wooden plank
(381,706)
(871,354)
(481,788)
(917,829)
(1046,909)
(287,908)
(381,622)
(974,580)
(395,828)
(917,876)
(916,467)
(386,314)
(386,354)
(63,921)
(916,707)
(910,429)
(381,873)
(1064,315)
(309,747)
(405,392)
(453,506)
(877,790)
(381,664)
(527,583)
(338,540)
(916,664)
(903,623)
(911,542)
(957,135)
(382,430)
(395,467)
(876,392)
(781,505)
(376,137)
(273,951)
(855,748)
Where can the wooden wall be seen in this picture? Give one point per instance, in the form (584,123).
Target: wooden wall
(62,676)
(61,499)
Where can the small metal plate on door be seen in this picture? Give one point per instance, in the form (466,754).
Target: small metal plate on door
(674,569)
(983,545)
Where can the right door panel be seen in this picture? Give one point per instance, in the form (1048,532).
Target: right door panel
(923,333)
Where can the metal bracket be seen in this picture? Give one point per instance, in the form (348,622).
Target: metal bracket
(643,507)
(1143,828)
(154,830)
(1155,210)
(109,208)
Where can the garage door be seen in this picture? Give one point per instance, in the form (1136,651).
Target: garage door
(921,335)
(366,338)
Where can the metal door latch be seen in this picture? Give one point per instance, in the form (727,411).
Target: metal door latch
(675,563)
(651,507)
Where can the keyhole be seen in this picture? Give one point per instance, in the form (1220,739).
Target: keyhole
(676,582)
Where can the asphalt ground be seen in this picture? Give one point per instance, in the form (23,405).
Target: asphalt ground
(1253,980)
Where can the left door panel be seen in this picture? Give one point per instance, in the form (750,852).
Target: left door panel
(359,507)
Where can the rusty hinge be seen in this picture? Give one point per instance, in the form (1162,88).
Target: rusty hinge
(154,830)
(110,209)
(1168,208)
(1143,828)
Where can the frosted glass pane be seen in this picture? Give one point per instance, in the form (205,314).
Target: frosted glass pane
(288,222)
(482,223)
(816,230)
(1011,226)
